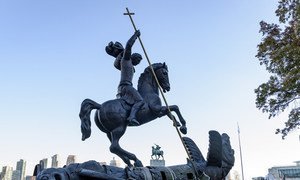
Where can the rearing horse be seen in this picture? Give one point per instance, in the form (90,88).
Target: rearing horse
(111,116)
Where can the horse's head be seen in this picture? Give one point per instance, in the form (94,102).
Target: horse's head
(147,78)
(162,74)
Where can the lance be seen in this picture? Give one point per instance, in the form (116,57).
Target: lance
(128,13)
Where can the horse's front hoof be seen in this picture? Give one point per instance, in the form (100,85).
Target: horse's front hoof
(138,163)
(183,129)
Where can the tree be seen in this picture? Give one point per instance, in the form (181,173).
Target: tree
(279,52)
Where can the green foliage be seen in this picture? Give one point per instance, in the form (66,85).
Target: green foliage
(279,52)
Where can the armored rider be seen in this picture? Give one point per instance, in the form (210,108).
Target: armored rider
(125,61)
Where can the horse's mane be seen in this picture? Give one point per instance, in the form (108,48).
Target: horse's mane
(145,76)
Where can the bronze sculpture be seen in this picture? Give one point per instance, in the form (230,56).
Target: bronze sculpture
(111,116)
(133,108)
(157,152)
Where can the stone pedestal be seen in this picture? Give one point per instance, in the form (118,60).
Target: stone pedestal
(157,162)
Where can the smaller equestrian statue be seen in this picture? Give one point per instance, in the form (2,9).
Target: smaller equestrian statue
(131,107)
(157,152)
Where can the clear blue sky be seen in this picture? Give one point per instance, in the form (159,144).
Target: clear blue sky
(52,57)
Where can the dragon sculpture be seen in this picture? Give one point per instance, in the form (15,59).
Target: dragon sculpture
(219,161)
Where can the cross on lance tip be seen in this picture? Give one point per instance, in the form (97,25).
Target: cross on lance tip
(128,13)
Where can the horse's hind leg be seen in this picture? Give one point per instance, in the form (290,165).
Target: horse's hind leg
(115,148)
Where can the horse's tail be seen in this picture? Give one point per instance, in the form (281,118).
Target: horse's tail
(85,111)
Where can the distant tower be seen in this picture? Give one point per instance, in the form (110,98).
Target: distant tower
(157,153)
(114,162)
(21,166)
(233,175)
(6,173)
(102,163)
(30,178)
(71,159)
(55,161)
(44,163)
(16,175)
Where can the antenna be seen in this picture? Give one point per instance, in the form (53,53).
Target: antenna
(241,157)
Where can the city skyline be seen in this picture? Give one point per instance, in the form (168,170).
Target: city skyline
(274,171)
(52,57)
(58,163)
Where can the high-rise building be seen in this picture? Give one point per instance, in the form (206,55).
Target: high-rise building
(55,161)
(114,162)
(44,163)
(285,172)
(102,163)
(6,173)
(16,175)
(233,175)
(21,166)
(71,159)
(258,178)
(30,178)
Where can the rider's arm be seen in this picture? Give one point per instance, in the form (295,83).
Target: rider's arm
(130,42)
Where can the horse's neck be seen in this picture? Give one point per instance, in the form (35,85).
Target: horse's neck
(147,85)
(147,89)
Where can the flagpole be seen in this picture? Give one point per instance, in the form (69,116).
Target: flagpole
(240,152)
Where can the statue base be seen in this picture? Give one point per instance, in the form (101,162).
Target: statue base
(157,162)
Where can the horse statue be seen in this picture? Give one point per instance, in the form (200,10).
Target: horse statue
(111,116)
(157,152)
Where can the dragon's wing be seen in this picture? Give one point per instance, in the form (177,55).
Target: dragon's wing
(228,154)
(214,155)
(193,150)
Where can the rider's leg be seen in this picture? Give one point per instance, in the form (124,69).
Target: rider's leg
(137,102)
(135,108)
